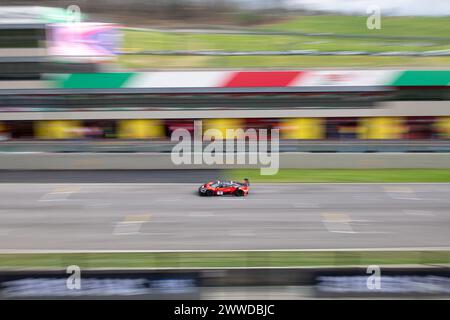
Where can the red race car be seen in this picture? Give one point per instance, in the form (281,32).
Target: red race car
(219,188)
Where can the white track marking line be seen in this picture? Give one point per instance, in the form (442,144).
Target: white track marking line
(306,205)
(337,222)
(167,200)
(269,191)
(233,199)
(241,233)
(341,223)
(131,224)
(421,213)
(166,221)
(98,205)
(199,183)
(201,214)
(393,249)
(400,193)
(60,193)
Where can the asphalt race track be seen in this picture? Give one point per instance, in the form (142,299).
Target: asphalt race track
(109,176)
(74,216)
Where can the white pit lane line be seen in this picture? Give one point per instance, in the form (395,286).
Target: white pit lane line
(226,198)
(168,200)
(201,214)
(241,233)
(131,224)
(342,223)
(98,205)
(306,205)
(420,213)
(337,222)
(60,193)
(401,193)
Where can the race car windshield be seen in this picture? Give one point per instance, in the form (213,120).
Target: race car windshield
(215,184)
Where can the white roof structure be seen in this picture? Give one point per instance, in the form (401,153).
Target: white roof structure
(31,15)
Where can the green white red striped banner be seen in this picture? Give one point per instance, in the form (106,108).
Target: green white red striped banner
(252,79)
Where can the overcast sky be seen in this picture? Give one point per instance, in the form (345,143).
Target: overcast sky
(388,7)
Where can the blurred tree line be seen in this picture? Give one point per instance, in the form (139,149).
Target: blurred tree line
(240,12)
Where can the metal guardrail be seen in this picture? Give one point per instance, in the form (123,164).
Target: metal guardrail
(164,161)
(191,283)
(432,53)
(268,32)
(262,32)
(314,146)
(304,89)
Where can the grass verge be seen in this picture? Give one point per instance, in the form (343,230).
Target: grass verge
(326,27)
(356,25)
(344,175)
(221,259)
(281,62)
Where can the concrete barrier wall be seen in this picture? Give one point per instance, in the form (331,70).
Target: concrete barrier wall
(128,161)
(364,160)
(412,281)
(380,109)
